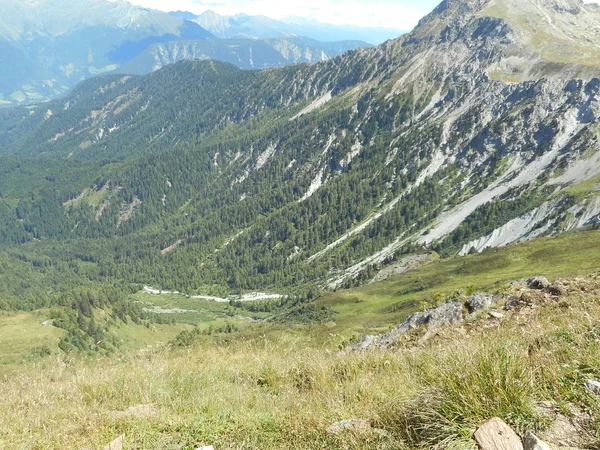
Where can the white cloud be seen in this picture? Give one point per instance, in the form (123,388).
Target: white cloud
(398,14)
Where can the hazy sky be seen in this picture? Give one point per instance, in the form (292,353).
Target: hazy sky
(399,14)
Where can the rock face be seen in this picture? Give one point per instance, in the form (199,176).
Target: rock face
(468,115)
(495,434)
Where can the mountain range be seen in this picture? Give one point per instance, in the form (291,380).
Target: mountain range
(476,130)
(393,248)
(48,46)
(243,25)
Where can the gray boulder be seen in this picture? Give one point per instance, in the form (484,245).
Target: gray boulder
(538,283)
(479,302)
(449,313)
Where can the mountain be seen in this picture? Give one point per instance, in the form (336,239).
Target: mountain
(246,54)
(48,46)
(209,208)
(478,129)
(243,25)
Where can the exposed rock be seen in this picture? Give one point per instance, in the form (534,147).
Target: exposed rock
(206,447)
(495,434)
(351,425)
(447,314)
(495,315)
(593,386)
(365,342)
(532,442)
(478,302)
(538,283)
(117,444)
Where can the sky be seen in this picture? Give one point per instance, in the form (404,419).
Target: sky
(397,14)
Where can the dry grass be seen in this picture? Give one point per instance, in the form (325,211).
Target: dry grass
(263,394)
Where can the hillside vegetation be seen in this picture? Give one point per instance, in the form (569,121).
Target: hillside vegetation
(530,368)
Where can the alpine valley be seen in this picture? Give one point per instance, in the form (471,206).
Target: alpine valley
(340,196)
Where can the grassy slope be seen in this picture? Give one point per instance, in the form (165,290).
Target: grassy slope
(377,307)
(369,309)
(283,395)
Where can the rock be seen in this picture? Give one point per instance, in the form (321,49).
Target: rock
(478,302)
(495,434)
(538,283)
(351,425)
(495,315)
(593,386)
(365,343)
(206,447)
(532,442)
(117,444)
(447,314)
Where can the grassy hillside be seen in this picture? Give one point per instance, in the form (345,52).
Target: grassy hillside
(336,318)
(528,368)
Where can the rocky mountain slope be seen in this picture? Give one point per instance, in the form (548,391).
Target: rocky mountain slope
(48,46)
(464,134)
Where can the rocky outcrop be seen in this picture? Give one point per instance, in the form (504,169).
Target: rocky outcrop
(446,314)
(478,302)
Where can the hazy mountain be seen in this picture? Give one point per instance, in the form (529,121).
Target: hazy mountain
(48,46)
(468,132)
(243,25)
(244,53)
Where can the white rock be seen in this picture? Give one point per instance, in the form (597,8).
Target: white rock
(495,315)
(117,444)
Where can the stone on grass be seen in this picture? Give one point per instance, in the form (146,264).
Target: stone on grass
(495,434)
(538,283)
(532,442)
(350,425)
(117,444)
(593,386)
(206,447)
(495,315)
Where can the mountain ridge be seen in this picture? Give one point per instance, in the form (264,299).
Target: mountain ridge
(49,46)
(430,140)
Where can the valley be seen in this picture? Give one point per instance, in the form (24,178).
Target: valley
(195,254)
